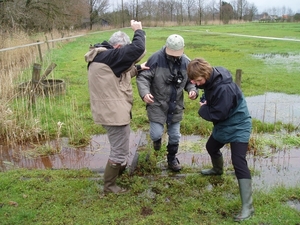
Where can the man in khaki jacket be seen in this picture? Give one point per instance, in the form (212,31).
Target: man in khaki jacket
(111,65)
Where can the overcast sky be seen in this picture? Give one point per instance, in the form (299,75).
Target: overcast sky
(263,5)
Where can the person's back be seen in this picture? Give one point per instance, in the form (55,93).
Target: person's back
(110,73)
(111,65)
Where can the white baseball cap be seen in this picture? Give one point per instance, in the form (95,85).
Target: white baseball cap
(175,45)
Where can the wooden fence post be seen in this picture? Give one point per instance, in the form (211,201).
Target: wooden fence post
(47,71)
(36,74)
(40,51)
(238,77)
(52,41)
(47,43)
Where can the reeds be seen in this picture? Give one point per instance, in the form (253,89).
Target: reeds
(18,122)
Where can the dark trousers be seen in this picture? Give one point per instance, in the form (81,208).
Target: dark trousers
(238,156)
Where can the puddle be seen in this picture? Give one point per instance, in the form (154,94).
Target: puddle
(275,107)
(94,156)
(289,61)
(295,204)
(281,168)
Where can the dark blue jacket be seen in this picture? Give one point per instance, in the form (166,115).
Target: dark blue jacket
(226,107)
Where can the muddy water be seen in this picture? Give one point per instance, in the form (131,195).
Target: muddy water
(275,107)
(94,156)
(288,61)
(280,168)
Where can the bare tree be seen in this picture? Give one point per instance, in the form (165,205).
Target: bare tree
(241,7)
(250,12)
(170,6)
(97,8)
(274,11)
(190,5)
(212,9)
(28,15)
(41,15)
(290,11)
(283,10)
(200,9)
(180,16)
(149,8)
(137,10)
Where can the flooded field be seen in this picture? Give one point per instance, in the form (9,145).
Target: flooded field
(288,61)
(280,168)
(275,107)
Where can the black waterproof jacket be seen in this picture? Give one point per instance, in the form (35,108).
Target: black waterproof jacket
(226,107)
(168,94)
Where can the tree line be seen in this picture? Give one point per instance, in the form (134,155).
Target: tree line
(45,15)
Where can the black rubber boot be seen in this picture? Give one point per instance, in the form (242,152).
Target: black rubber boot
(217,167)
(245,186)
(157,145)
(173,162)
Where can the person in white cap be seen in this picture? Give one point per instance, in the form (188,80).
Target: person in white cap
(161,88)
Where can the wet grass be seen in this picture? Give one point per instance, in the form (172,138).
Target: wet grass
(72,197)
(76,197)
(259,75)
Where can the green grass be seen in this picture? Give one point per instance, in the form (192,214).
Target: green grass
(72,197)
(260,74)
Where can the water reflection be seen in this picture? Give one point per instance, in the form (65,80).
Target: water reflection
(280,168)
(94,156)
(275,107)
(288,61)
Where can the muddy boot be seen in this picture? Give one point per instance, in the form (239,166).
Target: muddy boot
(217,167)
(245,187)
(157,145)
(110,175)
(173,162)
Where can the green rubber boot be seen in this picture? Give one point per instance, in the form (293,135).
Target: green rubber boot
(111,174)
(245,186)
(217,167)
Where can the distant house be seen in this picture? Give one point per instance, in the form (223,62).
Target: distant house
(285,17)
(104,22)
(266,18)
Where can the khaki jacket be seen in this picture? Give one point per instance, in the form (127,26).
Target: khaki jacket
(111,96)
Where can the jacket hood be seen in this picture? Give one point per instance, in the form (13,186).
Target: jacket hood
(104,44)
(218,76)
(95,49)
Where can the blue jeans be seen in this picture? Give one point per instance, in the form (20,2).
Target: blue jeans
(173,130)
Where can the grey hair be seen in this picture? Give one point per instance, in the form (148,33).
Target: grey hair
(120,38)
